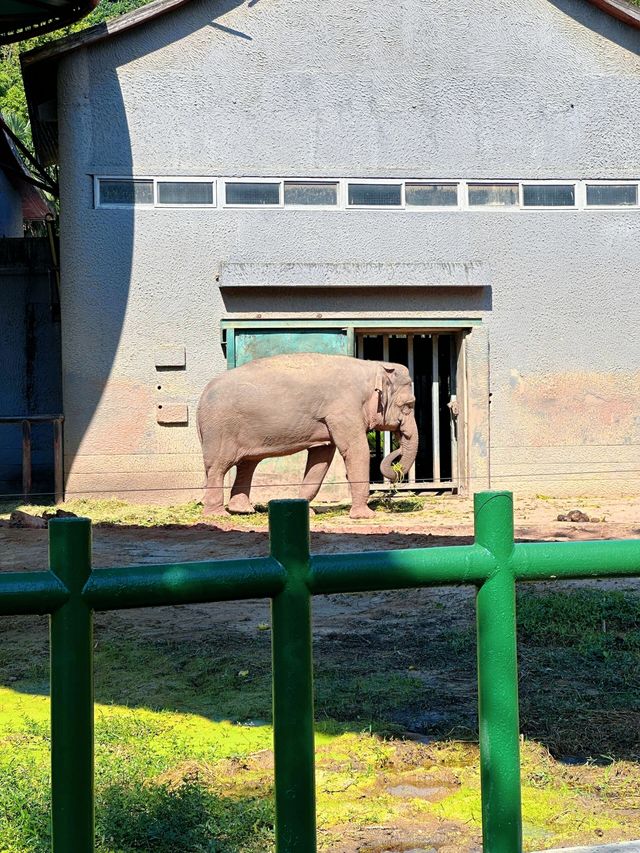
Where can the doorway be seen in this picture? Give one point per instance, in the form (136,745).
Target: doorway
(432,360)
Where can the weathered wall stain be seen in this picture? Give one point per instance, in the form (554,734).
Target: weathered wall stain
(552,409)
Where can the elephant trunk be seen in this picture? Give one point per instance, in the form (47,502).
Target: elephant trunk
(405,455)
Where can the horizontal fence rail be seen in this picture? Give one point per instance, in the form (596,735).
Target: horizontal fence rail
(71,591)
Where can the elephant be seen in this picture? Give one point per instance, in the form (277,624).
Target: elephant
(283,404)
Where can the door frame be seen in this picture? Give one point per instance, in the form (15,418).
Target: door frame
(472,377)
(458,482)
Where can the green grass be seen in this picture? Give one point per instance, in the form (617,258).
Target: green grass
(592,621)
(183,728)
(172,782)
(119,512)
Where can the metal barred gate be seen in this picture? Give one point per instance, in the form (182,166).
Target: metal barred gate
(70,592)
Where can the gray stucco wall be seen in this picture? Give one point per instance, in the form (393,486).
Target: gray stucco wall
(506,88)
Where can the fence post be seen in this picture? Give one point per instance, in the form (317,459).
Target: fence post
(72,691)
(293,681)
(498,679)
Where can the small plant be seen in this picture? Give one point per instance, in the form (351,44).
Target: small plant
(399,471)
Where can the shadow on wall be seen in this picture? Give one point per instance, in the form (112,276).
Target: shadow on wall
(590,16)
(103,304)
(467,299)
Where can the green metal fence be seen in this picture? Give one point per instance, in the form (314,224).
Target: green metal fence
(71,592)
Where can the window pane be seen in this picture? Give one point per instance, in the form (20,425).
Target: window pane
(124,191)
(245,193)
(618,194)
(493,195)
(548,195)
(311,193)
(431,195)
(377,195)
(184,192)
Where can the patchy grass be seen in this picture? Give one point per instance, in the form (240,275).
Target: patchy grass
(173,782)
(183,734)
(580,671)
(113,511)
(592,621)
(183,723)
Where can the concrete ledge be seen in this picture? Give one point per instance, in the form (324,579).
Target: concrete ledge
(618,847)
(443,274)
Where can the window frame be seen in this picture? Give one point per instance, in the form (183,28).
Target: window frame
(611,183)
(219,190)
(178,179)
(336,182)
(232,206)
(577,194)
(385,182)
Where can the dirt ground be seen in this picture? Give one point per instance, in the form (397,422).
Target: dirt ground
(443,521)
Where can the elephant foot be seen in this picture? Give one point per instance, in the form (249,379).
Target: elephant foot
(361,512)
(240,505)
(214,510)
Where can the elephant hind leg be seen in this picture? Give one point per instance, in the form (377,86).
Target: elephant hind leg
(318,461)
(240,501)
(214,491)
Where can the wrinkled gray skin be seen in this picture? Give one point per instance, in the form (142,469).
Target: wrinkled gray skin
(304,401)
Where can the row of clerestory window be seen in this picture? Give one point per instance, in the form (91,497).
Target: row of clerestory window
(362,193)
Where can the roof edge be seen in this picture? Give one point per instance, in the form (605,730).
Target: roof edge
(624,11)
(45,23)
(97,33)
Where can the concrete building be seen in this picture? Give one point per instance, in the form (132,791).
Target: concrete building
(451,186)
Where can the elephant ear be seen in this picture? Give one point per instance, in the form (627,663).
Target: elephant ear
(384,376)
(382,387)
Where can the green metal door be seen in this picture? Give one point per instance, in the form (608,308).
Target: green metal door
(246,344)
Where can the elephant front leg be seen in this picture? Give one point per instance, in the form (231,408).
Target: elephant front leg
(240,500)
(354,449)
(318,461)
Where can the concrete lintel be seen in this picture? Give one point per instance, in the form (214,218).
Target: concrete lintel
(438,274)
